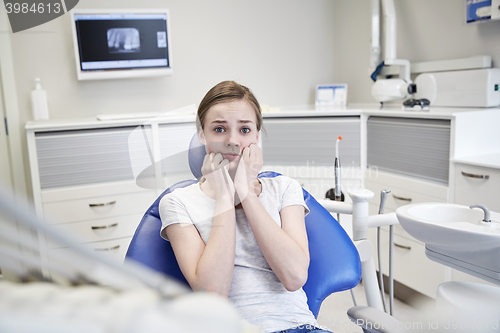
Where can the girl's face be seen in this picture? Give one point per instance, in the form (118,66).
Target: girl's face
(229,127)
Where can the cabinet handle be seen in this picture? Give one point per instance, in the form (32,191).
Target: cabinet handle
(404,247)
(108,248)
(471,175)
(102,204)
(401,198)
(105,226)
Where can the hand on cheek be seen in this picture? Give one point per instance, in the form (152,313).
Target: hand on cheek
(215,171)
(249,166)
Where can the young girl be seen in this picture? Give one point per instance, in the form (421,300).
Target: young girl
(235,234)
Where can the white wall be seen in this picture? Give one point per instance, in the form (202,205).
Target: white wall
(280,49)
(428,30)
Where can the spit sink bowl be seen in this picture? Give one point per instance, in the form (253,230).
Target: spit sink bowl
(456,236)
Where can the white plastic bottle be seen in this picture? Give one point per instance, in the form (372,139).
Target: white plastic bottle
(39,102)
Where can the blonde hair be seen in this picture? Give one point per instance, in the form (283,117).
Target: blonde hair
(227,91)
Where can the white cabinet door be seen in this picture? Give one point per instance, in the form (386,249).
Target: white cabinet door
(87,181)
(78,157)
(410,146)
(311,142)
(477,185)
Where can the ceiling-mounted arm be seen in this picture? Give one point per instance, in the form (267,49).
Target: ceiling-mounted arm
(390,48)
(390,89)
(375,48)
(390,24)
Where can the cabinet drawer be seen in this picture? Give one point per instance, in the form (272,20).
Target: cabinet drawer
(404,190)
(410,264)
(116,249)
(99,207)
(399,196)
(100,230)
(471,189)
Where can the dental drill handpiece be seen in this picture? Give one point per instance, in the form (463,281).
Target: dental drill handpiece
(338,188)
(383,197)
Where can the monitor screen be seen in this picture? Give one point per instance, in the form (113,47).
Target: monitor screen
(121,43)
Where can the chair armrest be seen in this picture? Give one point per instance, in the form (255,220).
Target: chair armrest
(375,321)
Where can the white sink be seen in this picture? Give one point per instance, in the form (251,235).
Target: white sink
(456,236)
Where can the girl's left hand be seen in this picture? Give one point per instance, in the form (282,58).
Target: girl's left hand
(249,166)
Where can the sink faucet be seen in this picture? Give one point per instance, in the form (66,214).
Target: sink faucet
(485,210)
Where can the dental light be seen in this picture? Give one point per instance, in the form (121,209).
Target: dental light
(393,89)
(384,90)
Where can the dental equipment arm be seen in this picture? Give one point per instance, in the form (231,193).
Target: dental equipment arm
(390,41)
(375,50)
(360,198)
(374,312)
(385,90)
(381,220)
(336,206)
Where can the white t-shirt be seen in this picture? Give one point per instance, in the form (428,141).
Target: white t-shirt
(255,290)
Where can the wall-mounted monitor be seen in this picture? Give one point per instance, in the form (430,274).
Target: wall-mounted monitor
(121,43)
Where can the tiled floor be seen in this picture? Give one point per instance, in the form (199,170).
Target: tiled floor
(333,312)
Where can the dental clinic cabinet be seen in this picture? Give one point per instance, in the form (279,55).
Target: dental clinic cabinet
(95,179)
(446,155)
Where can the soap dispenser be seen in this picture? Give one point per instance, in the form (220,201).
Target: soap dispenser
(39,102)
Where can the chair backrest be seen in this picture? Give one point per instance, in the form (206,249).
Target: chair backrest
(334,265)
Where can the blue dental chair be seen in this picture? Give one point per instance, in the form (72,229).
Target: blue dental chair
(334,260)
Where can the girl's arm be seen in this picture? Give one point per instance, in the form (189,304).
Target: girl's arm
(285,249)
(209,267)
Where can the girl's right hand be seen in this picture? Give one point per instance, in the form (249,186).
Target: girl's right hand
(215,170)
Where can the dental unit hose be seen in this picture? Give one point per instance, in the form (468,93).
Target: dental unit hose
(383,197)
(391,279)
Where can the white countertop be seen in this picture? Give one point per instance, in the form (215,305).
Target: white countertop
(488,160)
(92,122)
(282,112)
(366,109)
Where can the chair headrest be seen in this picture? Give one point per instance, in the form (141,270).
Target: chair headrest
(196,155)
